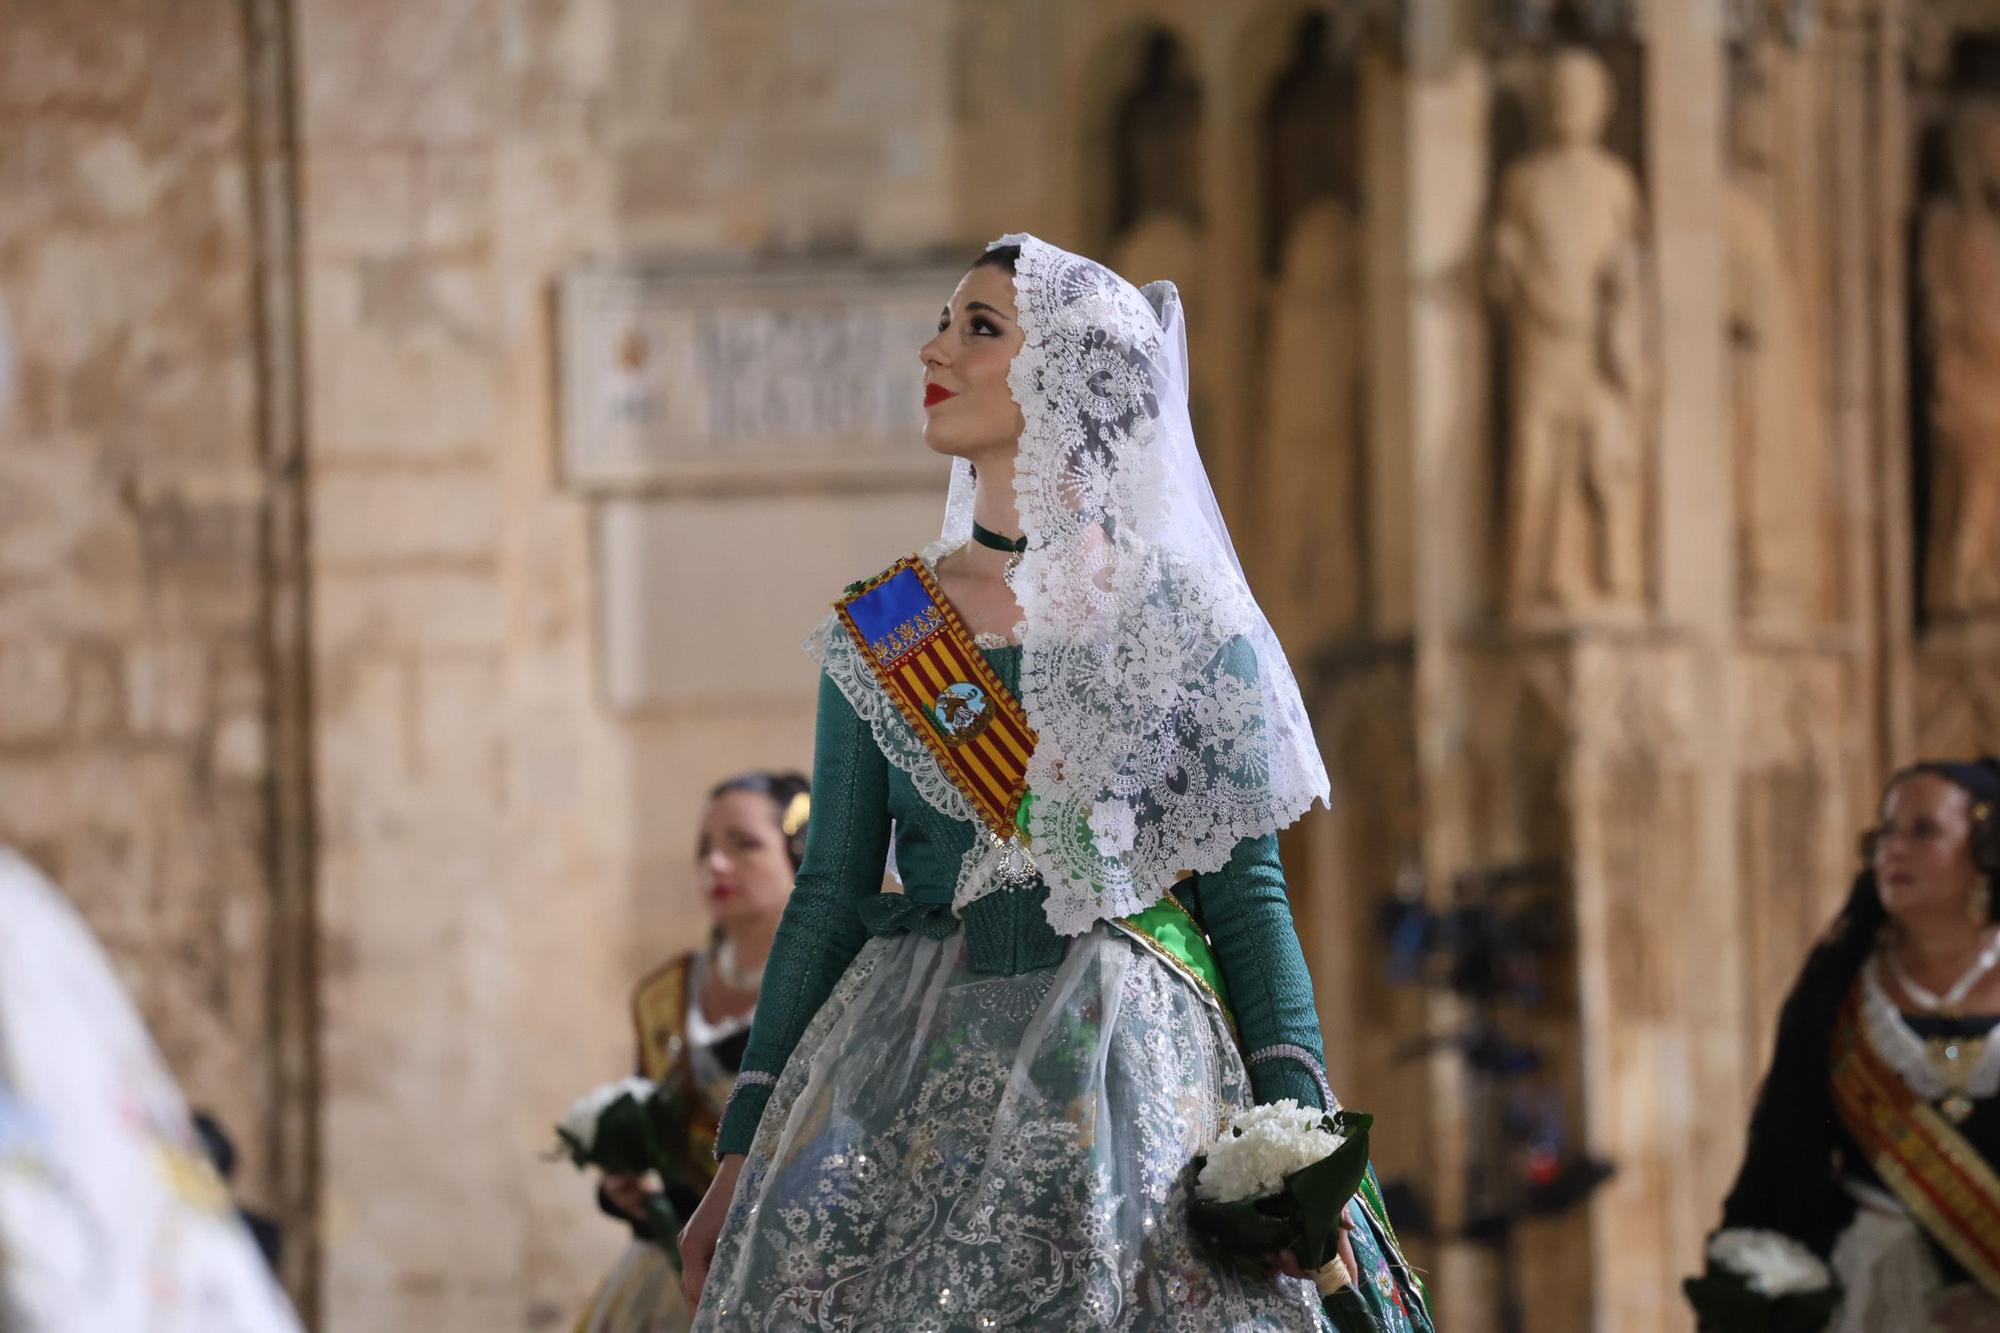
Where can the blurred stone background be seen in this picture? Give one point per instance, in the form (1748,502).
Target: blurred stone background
(1631,505)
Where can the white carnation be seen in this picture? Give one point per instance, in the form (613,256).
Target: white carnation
(1772,1263)
(1260,1147)
(580,1123)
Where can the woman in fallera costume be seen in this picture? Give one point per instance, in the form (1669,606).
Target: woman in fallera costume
(691,1019)
(973,1105)
(1877,1132)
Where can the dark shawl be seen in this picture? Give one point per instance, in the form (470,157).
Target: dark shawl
(1799,1153)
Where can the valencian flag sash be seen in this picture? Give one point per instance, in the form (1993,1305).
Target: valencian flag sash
(929,666)
(927,663)
(1930,1167)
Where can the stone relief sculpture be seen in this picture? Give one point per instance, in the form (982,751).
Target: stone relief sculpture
(1311,429)
(1959,271)
(1310,130)
(1779,441)
(1155,209)
(1570,273)
(1155,137)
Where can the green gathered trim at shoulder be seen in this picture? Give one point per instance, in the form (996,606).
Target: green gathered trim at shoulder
(859,586)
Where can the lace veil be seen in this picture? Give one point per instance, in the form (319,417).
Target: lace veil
(1170,725)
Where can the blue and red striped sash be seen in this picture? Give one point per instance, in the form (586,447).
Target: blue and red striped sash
(928,664)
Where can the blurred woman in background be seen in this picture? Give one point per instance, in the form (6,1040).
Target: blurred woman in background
(1877,1132)
(691,1019)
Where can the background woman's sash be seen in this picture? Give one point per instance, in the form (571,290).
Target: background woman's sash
(1931,1168)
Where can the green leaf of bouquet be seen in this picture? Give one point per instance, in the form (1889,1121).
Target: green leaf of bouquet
(626,1143)
(1805,1311)
(1348,1312)
(573,1148)
(669,1113)
(1724,1303)
(1321,1192)
(1245,1226)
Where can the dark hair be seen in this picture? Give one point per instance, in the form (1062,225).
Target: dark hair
(1979,779)
(1003,257)
(783,789)
(1000,256)
(1847,943)
(1785,1183)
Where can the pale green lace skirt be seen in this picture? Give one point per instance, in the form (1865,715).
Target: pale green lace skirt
(958,1150)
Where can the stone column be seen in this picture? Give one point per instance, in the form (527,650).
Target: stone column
(1952,631)
(151,752)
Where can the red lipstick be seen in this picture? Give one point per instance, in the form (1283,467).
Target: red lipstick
(935,394)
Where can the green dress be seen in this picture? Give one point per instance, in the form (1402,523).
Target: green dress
(975,1122)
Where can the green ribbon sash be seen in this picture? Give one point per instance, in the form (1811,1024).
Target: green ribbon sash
(1170,933)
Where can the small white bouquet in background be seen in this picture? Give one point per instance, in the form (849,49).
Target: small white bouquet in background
(1278,1178)
(1762,1282)
(585,1123)
(624,1128)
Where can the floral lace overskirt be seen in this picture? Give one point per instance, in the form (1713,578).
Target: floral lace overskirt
(955,1150)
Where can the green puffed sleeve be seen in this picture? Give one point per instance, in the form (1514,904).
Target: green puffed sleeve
(1243,909)
(821,931)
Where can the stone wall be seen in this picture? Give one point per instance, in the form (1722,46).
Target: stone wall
(136,680)
(503,856)
(498,856)
(469,907)
(499,847)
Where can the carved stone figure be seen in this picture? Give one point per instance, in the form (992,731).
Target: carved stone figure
(1311,130)
(1158,126)
(1959,255)
(1570,272)
(1779,443)
(1311,431)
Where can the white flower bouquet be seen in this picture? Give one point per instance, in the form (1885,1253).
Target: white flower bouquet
(623,1128)
(1278,1178)
(1762,1282)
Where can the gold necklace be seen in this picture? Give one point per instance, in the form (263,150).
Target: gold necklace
(1953,1059)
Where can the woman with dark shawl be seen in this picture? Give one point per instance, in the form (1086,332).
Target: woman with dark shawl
(1877,1131)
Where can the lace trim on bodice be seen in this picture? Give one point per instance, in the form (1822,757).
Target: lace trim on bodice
(1903,1050)
(835,652)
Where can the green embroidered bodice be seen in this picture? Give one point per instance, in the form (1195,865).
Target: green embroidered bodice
(838,904)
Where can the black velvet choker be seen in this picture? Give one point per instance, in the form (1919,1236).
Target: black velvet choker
(987,537)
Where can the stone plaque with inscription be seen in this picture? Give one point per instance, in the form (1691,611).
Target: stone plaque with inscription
(797,373)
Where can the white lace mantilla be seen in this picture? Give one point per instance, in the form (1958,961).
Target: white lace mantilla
(1169,725)
(1903,1050)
